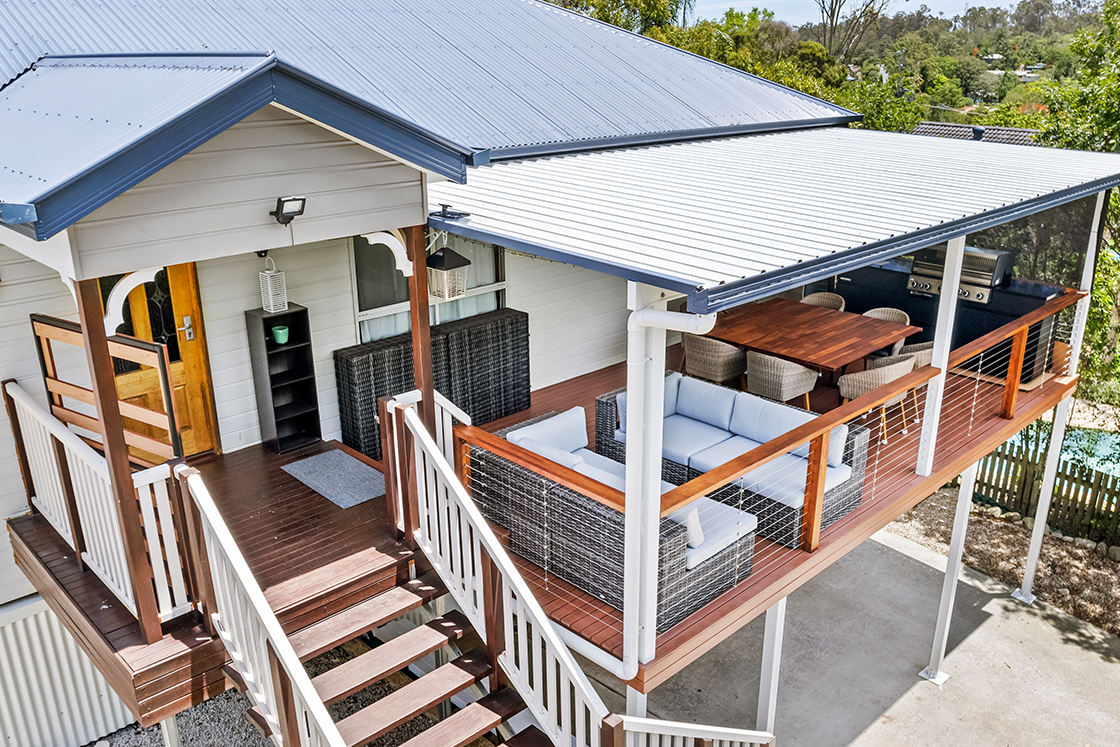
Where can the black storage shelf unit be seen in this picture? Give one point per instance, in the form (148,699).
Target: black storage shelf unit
(481,363)
(284,378)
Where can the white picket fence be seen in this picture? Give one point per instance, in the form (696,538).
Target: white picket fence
(104,551)
(649,732)
(249,629)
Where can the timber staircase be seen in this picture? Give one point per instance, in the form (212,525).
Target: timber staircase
(423,694)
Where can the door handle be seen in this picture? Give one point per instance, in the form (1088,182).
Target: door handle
(187,328)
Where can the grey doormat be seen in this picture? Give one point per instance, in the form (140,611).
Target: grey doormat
(339,477)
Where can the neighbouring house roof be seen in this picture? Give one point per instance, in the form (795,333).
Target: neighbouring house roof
(729,220)
(1009,135)
(479,80)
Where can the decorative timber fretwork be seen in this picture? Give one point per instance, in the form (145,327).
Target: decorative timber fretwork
(151,435)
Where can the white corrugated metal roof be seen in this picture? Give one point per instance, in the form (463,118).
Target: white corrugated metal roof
(733,219)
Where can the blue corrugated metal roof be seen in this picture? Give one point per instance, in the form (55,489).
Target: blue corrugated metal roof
(514,76)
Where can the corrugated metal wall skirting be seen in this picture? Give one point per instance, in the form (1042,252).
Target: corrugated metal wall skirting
(51,695)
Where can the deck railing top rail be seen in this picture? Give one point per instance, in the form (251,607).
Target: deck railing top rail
(996,336)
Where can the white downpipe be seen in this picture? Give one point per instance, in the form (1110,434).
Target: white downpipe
(942,346)
(933,672)
(645,387)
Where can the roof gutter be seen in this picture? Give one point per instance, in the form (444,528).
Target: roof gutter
(14,213)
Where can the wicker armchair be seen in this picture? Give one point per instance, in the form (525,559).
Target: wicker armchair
(829,300)
(880,372)
(713,360)
(778,379)
(922,353)
(891,315)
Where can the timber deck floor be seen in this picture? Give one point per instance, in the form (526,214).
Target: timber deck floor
(891,487)
(155,681)
(310,556)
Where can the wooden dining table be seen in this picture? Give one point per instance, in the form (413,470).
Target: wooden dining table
(814,336)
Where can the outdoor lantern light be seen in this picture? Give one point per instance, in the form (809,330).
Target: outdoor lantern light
(447,274)
(274,293)
(288,208)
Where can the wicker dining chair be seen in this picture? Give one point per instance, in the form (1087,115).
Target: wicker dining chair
(778,379)
(891,315)
(922,353)
(829,300)
(880,372)
(713,360)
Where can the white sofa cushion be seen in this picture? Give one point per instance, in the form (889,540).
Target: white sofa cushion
(762,420)
(551,452)
(706,402)
(783,479)
(721,526)
(601,463)
(672,385)
(566,431)
(722,453)
(684,436)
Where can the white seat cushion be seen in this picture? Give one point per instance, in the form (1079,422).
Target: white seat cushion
(721,526)
(783,479)
(551,452)
(722,453)
(600,462)
(684,437)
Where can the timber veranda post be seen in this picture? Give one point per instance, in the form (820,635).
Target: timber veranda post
(104,386)
(417,248)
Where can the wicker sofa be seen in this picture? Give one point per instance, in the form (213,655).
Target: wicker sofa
(707,425)
(705,548)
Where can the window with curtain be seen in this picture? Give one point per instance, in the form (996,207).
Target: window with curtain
(382,291)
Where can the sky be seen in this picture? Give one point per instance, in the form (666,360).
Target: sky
(797,12)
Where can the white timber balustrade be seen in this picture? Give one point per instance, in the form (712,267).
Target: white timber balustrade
(474,566)
(274,677)
(73,492)
(631,731)
(165,540)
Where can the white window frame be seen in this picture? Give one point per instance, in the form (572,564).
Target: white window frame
(397,308)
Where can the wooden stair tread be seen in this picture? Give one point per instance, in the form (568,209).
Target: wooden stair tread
(472,722)
(530,737)
(353,621)
(392,656)
(414,698)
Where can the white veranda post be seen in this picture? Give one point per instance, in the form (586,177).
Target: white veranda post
(1061,414)
(771,665)
(934,672)
(942,346)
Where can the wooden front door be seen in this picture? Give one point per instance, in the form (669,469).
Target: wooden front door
(166,309)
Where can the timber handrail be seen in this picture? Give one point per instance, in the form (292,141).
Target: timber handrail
(996,336)
(683,495)
(653,729)
(566,476)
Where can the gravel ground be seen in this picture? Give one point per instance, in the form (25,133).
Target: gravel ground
(1077,580)
(221,721)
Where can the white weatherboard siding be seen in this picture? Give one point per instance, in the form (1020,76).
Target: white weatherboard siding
(26,287)
(51,695)
(215,201)
(318,277)
(577,317)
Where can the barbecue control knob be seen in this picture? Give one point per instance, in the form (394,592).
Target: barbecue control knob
(979,296)
(962,292)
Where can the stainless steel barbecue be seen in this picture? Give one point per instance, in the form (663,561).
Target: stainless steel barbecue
(982,270)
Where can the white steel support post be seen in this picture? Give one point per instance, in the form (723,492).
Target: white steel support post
(942,346)
(1061,413)
(170,728)
(771,664)
(933,672)
(635,703)
(1045,495)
